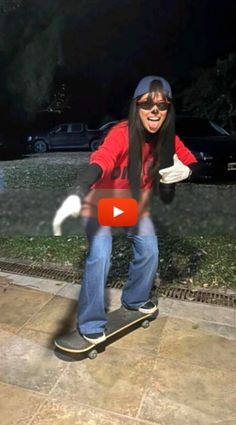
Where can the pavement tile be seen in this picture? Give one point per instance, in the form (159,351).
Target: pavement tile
(70,290)
(165,305)
(27,364)
(143,340)
(112,297)
(62,413)
(24,303)
(46,285)
(220,330)
(194,344)
(44,339)
(17,405)
(115,381)
(179,394)
(196,311)
(4,282)
(57,317)
(6,277)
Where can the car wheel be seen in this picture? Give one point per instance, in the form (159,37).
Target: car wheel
(40,146)
(95,144)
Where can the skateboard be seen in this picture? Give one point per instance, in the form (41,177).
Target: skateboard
(118,321)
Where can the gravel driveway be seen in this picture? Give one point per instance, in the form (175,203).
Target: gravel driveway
(36,185)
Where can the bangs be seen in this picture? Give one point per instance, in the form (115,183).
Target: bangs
(156,88)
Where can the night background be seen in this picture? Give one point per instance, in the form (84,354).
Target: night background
(80,60)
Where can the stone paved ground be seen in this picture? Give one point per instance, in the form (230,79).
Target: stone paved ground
(179,371)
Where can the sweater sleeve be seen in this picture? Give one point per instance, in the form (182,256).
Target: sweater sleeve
(107,154)
(183,153)
(90,176)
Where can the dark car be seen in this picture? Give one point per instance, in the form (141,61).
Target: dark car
(214,147)
(66,136)
(106,127)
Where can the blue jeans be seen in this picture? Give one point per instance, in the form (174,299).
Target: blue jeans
(91,315)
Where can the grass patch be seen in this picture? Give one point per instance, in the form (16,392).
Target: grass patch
(191,261)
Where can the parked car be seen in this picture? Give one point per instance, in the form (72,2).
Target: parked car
(214,148)
(65,136)
(106,127)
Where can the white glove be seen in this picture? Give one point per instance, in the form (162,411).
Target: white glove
(175,173)
(70,207)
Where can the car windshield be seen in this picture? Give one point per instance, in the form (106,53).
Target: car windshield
(221,130)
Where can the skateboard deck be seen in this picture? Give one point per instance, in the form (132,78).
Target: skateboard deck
(118,321)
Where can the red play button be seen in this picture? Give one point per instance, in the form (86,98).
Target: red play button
(117,212)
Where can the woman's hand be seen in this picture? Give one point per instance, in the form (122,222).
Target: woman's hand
(175,173)
(70,207)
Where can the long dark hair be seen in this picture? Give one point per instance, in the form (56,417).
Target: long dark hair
(162,142)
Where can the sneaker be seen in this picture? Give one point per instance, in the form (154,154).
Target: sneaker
(95,338)
(148,307)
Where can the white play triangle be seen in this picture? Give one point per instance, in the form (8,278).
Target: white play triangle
(117,211)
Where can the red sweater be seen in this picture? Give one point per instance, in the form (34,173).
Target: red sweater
(112,157)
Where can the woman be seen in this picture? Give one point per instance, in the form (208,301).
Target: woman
(128,164)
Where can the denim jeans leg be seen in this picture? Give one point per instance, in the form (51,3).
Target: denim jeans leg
(91,316)
(143,267)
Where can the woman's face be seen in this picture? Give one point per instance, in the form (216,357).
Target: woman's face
(153,118)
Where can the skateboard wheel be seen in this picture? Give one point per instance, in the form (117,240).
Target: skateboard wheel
(145,324)
(93,354)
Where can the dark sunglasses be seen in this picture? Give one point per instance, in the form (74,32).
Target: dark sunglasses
(149,104)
